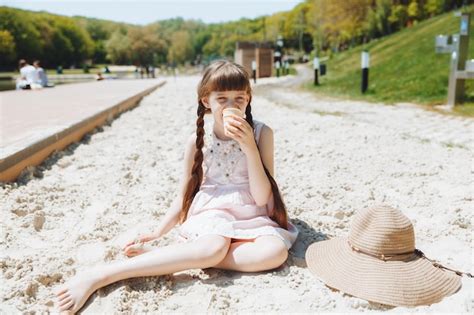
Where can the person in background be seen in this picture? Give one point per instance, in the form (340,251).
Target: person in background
(27,79)
(147,70)
(137,71)
(99,77)
(41,77)
(152,72)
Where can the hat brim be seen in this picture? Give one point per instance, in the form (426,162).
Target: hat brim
(397,283)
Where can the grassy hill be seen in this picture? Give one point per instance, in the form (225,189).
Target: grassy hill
(403,67)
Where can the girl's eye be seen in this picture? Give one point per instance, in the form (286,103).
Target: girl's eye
(221,99)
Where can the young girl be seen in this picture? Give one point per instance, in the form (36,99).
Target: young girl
(231,212)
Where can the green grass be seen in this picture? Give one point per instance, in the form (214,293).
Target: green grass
(403,67)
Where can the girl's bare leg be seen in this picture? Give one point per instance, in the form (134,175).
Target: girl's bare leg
(204,252)
(264,253)
(242,258)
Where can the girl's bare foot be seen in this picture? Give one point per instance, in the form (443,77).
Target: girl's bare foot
(72,295)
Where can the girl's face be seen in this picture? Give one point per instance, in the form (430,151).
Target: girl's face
(217,101)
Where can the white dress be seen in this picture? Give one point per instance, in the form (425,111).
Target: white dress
(224,204)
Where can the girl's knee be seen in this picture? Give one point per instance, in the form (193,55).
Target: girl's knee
(281,256)
(277,256)
(274,250)
(211,247)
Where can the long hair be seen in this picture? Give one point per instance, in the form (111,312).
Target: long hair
(224,76)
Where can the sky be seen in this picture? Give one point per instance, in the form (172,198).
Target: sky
(148,11)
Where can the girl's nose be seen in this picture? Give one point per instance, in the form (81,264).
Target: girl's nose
(231,104)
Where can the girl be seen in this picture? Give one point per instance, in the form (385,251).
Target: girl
(230,210)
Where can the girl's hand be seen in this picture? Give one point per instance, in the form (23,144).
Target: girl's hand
(240,130)
(136,244)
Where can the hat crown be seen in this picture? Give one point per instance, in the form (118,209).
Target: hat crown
(382,230)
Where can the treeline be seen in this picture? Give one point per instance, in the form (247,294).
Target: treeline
(322,25)
(338,24)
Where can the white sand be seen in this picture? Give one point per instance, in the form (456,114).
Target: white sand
(331,159)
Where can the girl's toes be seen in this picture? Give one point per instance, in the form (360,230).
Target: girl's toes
(60,291)
(65,301)
(63,296)
(66,306)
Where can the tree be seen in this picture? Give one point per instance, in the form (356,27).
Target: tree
(118,48)
(145,44)
(413,10)
(7,48)
(399,16)
(181,49)
(434,7)
(79,41)
(28,43)
(274,25)
(383,11)
(295,24)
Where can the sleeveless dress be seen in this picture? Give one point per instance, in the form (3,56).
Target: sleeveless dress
(224,204)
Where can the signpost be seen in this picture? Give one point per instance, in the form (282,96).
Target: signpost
(460,68)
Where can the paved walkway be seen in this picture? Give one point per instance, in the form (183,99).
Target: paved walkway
(35,123)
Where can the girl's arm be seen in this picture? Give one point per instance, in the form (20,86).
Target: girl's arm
(260,187)
(170,219)
(172,215)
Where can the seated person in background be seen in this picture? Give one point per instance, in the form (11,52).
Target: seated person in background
(28,76)
(41,77)
(99,77)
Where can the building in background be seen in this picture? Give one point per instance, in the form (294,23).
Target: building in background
(260,52)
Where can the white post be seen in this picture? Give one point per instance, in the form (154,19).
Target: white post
(316,70)
(365,59)
(254,71)
(365,70)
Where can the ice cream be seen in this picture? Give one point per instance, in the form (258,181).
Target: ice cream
(226,116)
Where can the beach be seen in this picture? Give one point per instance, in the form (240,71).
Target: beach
(332,158)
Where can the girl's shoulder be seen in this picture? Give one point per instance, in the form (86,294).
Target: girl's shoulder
(258,126)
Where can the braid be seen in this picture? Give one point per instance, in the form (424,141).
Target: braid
(279,213)
(248,114)
(196,172)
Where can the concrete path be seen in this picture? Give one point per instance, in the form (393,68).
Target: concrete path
(35,123)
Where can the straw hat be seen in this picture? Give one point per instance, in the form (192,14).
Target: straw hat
(378,262)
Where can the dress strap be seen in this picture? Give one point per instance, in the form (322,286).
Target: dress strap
(258,128)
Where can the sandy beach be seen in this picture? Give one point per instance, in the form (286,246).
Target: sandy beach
(332,158)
